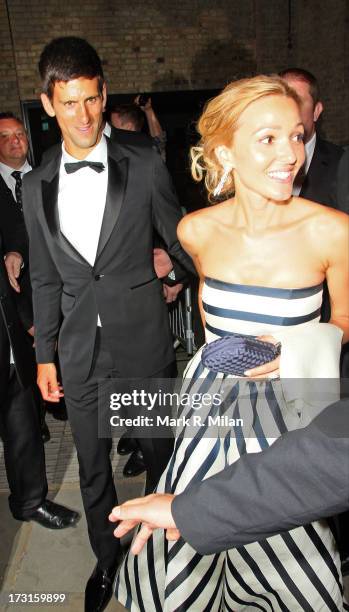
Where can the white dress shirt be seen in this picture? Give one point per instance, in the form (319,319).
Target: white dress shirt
(309,148)
(81,202)
(6,173)
(107,129)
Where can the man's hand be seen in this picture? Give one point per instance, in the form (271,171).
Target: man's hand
(13,263)
(147,106)
(171,293)
(51,389)
(162,263)
(154,511)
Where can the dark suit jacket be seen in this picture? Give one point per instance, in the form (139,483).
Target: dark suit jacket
(121,286)
(14,238)
(12,332)
(302,477)
(12,223)
(320,184)
(343,182)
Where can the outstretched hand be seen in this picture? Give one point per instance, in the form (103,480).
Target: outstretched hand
(153,511)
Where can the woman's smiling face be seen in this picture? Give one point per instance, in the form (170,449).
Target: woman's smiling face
(267,150)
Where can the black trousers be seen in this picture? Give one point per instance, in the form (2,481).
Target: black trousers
(23,448)
(96,477)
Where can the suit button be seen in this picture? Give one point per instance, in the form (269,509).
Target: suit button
(98,276)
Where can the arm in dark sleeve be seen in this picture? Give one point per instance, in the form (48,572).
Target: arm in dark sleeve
(15,239)
(46,283)
(302,477)
(167,212)
(343,182)
(178,274)
(24,300)
(15,236)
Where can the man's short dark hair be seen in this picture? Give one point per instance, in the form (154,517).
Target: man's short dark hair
(304,75)
(129,113)
(10,115)
(67,58)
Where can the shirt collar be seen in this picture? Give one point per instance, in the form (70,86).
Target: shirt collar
(6,170)
(309,151)
(98,154)
(107,129)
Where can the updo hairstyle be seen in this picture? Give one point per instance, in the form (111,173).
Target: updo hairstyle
(219,121)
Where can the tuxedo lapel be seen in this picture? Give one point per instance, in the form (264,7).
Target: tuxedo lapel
(117,181)
(49,191)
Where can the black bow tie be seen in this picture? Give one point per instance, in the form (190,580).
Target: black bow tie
(74,166)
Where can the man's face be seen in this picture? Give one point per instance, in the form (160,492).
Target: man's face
(13,143)
(310,112)
(78,107)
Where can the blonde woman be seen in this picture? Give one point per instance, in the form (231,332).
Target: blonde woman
(262,256)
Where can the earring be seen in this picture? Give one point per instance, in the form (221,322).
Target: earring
(221,183)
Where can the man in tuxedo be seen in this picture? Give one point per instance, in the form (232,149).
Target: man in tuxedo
(90,212)
(304,476)
(317,179)
(19,418)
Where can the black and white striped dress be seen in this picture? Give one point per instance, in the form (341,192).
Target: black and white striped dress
(294,571)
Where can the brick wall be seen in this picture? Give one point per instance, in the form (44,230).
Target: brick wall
(162,45)
(9,94)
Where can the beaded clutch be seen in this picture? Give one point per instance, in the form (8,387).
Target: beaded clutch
(236,353)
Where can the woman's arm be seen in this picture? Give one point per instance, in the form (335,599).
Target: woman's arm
(192,241)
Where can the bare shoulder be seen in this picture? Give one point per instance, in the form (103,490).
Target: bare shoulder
(327,225)
(197,227)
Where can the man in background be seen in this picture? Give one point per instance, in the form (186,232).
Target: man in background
(13,166)
(19,416)
(317,179)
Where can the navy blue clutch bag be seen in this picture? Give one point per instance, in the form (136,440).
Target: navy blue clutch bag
(236,353)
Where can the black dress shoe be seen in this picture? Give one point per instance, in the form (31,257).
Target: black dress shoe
(126,445)
(54,516)
(45,433)
(99,588)
(134,465)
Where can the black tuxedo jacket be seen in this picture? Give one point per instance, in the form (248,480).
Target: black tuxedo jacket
(121,286)
(140,139)
(12,331)
(320,183)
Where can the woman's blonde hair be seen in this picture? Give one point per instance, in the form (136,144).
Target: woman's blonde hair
(218,123)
